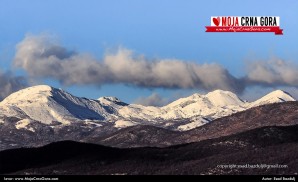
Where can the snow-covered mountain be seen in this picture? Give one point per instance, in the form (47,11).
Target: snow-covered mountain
(273,97)
(47,105)
(50,106)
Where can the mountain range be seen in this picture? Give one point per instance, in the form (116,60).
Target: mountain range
(42,114)
(45,130)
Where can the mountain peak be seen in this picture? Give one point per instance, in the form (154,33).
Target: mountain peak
(273,97)
(36,89)
(279,94)
(223,98)
(220,92)
(29,93)
(41,87)
(47,104)
(111,99)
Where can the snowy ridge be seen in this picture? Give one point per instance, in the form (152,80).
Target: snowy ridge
(211,106)
(273,97)
(48,105)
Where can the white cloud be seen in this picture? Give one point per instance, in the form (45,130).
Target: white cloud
(273,73)
(43,58)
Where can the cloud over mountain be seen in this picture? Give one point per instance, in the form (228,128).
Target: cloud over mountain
(273,73)
(152,100)
(42,57)
(10,83)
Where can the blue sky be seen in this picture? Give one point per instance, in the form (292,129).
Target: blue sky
(155,29)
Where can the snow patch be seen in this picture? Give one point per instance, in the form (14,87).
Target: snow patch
(192,125)
(124,123)
(93,123)
(23,124)
(59,118)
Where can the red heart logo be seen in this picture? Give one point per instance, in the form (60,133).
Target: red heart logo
(216,21)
